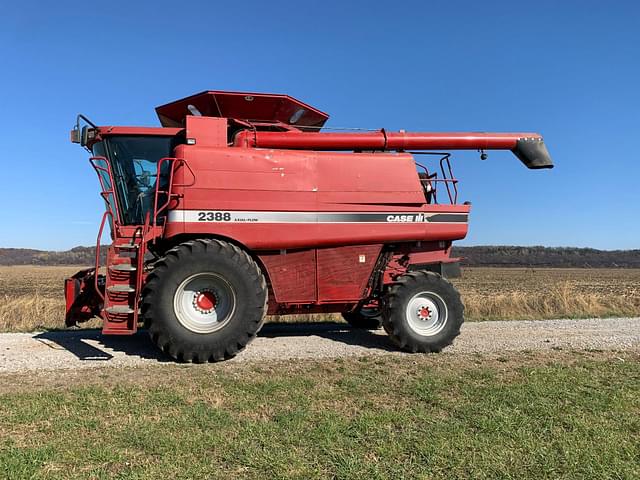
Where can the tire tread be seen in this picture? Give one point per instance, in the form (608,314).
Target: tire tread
(394,321)
(181,350)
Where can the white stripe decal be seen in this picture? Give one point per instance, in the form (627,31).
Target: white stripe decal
(234,216)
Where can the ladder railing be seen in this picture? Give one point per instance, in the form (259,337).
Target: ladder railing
(170,195)
(106,214)
(430,181)
(108,193)
(142,250)
(111,211)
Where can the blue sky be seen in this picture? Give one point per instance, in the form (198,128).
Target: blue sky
(570,70)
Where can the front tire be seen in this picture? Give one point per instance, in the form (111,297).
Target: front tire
(423,312)
(205,300)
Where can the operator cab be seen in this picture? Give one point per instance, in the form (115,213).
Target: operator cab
(134,165)
(129,157)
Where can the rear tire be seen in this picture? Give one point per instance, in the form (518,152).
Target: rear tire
(423,312)
(365,318)
(205,300)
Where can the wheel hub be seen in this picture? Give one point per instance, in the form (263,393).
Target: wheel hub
(204,301)
(426,313)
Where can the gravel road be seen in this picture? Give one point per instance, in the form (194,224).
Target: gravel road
(29,352)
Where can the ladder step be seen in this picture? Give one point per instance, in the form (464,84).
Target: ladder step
(124,330)
(127,246)
(119,309)
(124,267)
(121,289)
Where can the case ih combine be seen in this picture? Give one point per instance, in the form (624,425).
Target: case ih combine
(239,206)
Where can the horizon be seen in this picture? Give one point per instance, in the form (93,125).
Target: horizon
(567,247)
(567,72)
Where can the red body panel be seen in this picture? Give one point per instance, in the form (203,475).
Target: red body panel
(234,179)
(316,220)
(325,275)
(343,272)
(265,237)
(293,275)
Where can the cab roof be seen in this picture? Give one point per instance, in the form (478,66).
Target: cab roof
(251,107)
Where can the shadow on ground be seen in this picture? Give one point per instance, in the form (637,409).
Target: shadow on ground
(337,332)
(91,345)
(78,343)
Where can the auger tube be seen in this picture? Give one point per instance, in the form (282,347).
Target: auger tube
(528,147)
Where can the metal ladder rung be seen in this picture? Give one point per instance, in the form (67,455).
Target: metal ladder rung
(124,267)
(127,246)
(121,289)
(119,309)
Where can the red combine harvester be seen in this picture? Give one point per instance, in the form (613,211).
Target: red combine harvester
(239,206)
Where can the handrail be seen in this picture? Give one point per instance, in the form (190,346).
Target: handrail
(186,164)
(174,162)
(109,212)
(450,182)
(140,265)
(97,259)
(106,191)
(156,209)
(453,181)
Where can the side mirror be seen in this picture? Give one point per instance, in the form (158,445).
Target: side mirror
(84,131)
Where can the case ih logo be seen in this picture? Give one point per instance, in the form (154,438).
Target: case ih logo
(407,218)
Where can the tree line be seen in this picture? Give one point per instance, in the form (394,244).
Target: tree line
(490,256)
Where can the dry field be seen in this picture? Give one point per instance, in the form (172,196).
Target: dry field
(542,293)
(31,297)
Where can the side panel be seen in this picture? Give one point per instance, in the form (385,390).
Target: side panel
(268,199)
(343,272)
(292,275)
(245,178)
(367,179)
(324,275)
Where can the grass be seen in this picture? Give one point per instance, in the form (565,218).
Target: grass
(568,415)
(31,297)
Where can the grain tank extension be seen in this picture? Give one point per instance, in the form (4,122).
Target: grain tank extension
(241,205)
